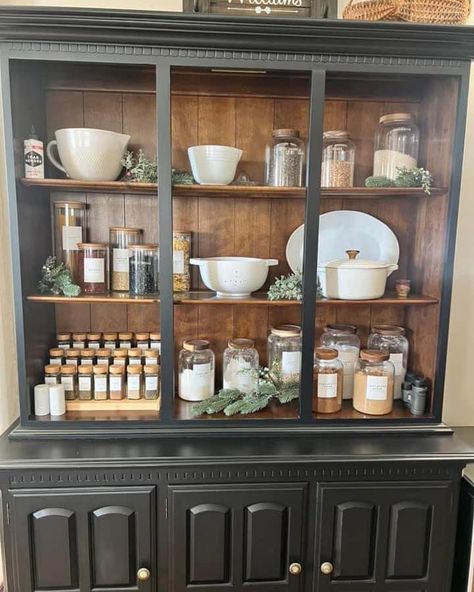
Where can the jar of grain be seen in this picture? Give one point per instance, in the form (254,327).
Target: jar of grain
(142,340)
(85,382)
(134,381)
(391,339)
(119,241)
(69,232)
(338,160)
(344,339)
(181,256)
(135,356)
(110,340)
(119,357)
(328,381)
(152,381)
(79,340)
(397,141)
(240,366)
(125,340)
(116,382)
(100,382)
(72,356)
(94,340)
(284,353)
(52,374)
(152,357)
(69,381)
(155,341)
(144,266)
(196,368)
(64,340)
(93,268)
(284,159)
(103,357)
(56,356)
(87,356)
(373,383)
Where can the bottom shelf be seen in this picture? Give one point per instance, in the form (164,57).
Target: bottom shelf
(117,405)
(183,411)
(348,412)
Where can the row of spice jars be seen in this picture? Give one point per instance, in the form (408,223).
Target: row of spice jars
(102,382)
(109,340)
(103,356)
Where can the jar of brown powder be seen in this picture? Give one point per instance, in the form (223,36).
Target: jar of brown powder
(328,381)
(373,383)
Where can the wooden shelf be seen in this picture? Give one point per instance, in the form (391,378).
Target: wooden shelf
(183,411)
(232,191)
(109,405)
(348,412)
(110,298)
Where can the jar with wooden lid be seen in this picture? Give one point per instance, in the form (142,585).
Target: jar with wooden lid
(152,381)
(93,268)
(135,356)
(52,374)
(397,141)
(87,356)
(284,159)
(110,340)
(100,382)
(119,357)
(72,356)
(373,383)
(144,266)
(103,357)
(119,241)
(155,341)
(142,340)
(94,340)
(69,381)
(125,340)
(196,368)
(116,381)
(345,340)
(85,382)
(134,381)
(240,366)
(338,159)
(69,233)
(328,380)
(181,256)
(284,353)
(56,356)
(152,357)
(391,338)
(64,340)
(79,340)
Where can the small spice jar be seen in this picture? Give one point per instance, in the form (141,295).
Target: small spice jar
(87,356)
(152,382)
(134,381)
(100,382)
(125,340)
(116,382)
(181,256)
(103,357)
(94,340)
(338,160)
(155,341)
(69,232)
(69,381)
(284,352)
(56,356)
(93,268)
(391,339)
(196,368)
(135,356)
(344,339)
(328,379)
(110,340)
(52,374)
(284,159)
(144,265)
(72,356)
(119,241)
(79,340)
(119,357)
(240,367)
(64,340)
(373,383)
(85,382)
(142,340)
(152,357)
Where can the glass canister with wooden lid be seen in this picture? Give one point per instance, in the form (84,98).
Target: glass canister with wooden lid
(119,240)
(338,160)
(328,381)
(93,268)
(144,266)
(196,370)
(397,142)
(69,232)
(373,383)
(345,340)
(284,159)
(240,367)
(284,353)
(392,339)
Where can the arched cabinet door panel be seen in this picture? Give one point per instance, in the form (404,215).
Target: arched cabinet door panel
(84,539)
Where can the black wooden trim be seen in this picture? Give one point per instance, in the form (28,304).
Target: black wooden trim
(462,556)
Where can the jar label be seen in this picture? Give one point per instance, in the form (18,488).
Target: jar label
(178,261)
(134,361)
(156,345)
(290,363)
(133,382)
(71,361)
(68,382)
(110,345)
(377,388)
(125,344)
(64,346)
(85,383)
(50,380)
(94,345)
(119,361)
(102,362)
(55,361)
(151,383)
(100,384)
(327,386)
(121,258)
(94,270)
(86,362)
(150,361)
(116,383)
(397,361)
(78,345)
(72,235)
(143,345)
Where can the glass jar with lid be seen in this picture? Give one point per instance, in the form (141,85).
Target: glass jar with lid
(240,367)
(56,356)
(69,381)
(85,382)
(155,341)
(101,382)
(152,381)
(93,268)
(392,339)
(93,340)
(79,340)
(134,382)
(328,379)
(135,356)
(338,160)
(110,340)
(284,159)
(73,356)
(142,340)
(345,340)
(69,232)
(87,356)
(373,383)
(144,265)
(196,370)
(52,374)
(119,241)
(116,381)
(119,357)
(397,142)
(152,357)
(64,340)
(125,340)
(103,356)
(284,352)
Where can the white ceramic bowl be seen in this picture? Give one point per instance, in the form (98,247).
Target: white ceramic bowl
(89,154)
(214,165)
(234,277)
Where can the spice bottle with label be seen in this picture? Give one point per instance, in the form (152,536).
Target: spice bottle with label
(155,341)
(120,239)
(152,381)
(100,382)
(345,340)
(391,339)
(284,159)
(64,340)
(240,367)
(33,151)
(181,256)
(144,269)
(85,382)
(142,340)
(93,268)
(125,340)
(110,340)
(52,374)
(116,382)
(103,357)
(56,356)
(72,356)
(69,381)
(79,340)
(152,357)
(134,381)
(284,353)
(196,368)
(69,233)
(373,383)
(135,356)
(119,357)
(328,380)
(94,340)
(87,357)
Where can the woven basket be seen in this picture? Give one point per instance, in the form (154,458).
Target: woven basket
(417,11)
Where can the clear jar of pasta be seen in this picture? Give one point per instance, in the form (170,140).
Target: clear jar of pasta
(181,256)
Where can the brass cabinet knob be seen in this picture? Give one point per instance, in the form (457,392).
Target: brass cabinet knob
(327,568)
(143,574)
(295,569)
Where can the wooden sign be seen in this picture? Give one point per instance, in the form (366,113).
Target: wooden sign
(262,8)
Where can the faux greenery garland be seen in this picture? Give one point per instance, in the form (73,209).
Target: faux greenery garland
(417,177)
(57,279)
(140,169)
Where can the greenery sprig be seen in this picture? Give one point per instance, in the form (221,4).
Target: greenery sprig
(290,287)
(56,279)
(140,169)
(416,177)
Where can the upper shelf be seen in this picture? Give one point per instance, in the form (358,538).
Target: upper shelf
(236,191)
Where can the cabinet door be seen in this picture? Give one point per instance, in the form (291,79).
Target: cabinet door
(234,537)
(393,536)
(83,539)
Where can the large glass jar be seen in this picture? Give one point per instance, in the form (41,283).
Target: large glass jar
(328,378)
(391,339)
(69,232)
(338,160)
(196,368)
(93,268)
(373,383)
(284,353)
(119,241)
(397,142)
(284,159)
(345,340)
(240,367)
(144,262)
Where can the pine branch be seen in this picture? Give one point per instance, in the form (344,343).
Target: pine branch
(248,404)
(216,403)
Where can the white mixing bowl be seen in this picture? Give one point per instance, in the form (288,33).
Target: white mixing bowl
(214,165)
(234,277)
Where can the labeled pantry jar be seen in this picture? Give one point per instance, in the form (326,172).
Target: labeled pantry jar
(64,340)
(345,340)
(240,367)
(103,357)
(87,356)
(52,374)
(144,265)
(79,340)
(93,268)
(142,340)
(125,340)
(85,382)
(94,340)
(73,356)
(135,356)
(196,368)
(69,232)
(119,240)
(155,341)
(328,379)
(338,160)
(152,381)
(373,383)
(56,356)
(69,381)
(152,357)
(134,382)
(391,339)
(116,381)
(397,142)
(119,357)
(110,340)
(181,256)
(284,353)
(100,382)
(284,159)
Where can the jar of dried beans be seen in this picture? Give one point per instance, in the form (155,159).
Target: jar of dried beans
(144,265)
(119,241)
(284,159)
(93,268)
(338,160)
(181,256)
(328,381)
(373,383)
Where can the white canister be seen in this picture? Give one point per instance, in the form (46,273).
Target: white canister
(41,399)
(57,400)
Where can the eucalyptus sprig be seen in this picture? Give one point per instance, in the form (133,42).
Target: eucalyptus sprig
(406,177)
(56,279)
(140,169)
(290,287)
